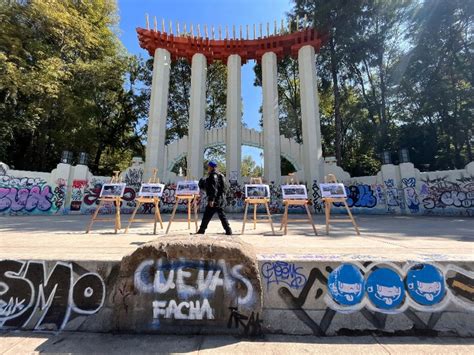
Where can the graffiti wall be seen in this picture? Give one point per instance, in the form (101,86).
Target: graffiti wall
(43,295)
(31,195)
(325,298)
(396,189)
(414,193)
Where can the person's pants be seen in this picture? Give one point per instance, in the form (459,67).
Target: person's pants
(208,213)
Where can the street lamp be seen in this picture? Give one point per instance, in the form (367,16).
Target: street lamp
(83,158)
(386,157)
(66,157)
(404,155)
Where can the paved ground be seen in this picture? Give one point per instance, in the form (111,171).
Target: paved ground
(383,237)
(88,343)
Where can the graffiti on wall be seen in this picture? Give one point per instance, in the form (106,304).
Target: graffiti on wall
(440,193)
(284,273)
(393,198)
(191,290)
(411,197)
(91,194)
(377,290)
(361,195)
(77,194)
(35,297)
(251,325)
(30,195)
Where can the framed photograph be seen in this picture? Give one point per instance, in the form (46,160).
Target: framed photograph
(294,192)
(335,190)
(151,190)
(186,188)
(112,190)
(257,191)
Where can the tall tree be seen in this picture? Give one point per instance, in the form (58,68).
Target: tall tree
(62,83)
(436,76)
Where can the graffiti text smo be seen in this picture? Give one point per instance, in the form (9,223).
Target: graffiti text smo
(32,298)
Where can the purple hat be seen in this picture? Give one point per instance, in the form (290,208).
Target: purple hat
(212,164)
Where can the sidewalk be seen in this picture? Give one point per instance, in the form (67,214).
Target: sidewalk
(393,237)
(87,343)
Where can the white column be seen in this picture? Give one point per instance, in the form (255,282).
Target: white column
(271,124)
(312,150)
(156,134)
(234,118)
(197,114)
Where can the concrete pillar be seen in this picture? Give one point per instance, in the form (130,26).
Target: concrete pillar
(312,150)
(197,112)
(271,124)
(156,134)
(234,118)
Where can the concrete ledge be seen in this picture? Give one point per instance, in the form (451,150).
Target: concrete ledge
(332,298)
(216,285)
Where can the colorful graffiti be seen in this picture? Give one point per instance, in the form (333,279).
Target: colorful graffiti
(440,193)
(91,194)
(376,290)
(77,194)
(33,297)
(359,196)
(30,195)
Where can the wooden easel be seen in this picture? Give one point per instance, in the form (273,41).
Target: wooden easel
(116,200)
(153,200)
(191,200)
(295,202)
(327,207)
(255,202)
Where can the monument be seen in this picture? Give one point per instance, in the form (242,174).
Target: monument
(203,48)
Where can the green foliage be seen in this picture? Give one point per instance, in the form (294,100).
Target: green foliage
(249,167)
(66,84)
(392,74)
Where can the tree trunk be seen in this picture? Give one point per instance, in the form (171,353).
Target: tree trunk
(337,100)
(469,147)
(98,155)
(383,109)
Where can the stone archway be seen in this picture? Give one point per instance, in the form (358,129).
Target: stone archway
(290,149)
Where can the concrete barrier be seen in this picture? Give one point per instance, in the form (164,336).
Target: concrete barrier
(215,285)
(325,297)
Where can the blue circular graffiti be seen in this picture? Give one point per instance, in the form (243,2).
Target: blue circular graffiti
(346,285)
(385,288)
(425,284)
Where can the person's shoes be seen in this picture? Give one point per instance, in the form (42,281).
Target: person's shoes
(229,232)
(198,232)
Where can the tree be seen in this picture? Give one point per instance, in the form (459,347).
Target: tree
(436,78)
(63,74)
(249,167)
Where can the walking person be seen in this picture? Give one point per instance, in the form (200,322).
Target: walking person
(214,185)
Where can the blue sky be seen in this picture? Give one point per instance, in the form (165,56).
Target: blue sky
(212,13)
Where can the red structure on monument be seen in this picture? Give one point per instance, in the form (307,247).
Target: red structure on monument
(185,46)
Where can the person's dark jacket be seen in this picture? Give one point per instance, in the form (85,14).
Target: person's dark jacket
(214,187)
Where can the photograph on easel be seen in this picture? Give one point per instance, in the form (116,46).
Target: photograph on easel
(185,188)
(257,191)
(294,192)
(151,190)
(112,190)
(334,190)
